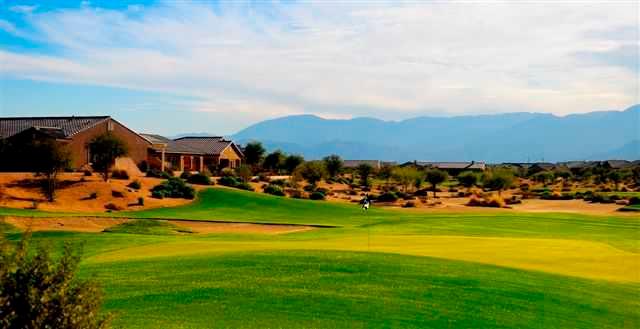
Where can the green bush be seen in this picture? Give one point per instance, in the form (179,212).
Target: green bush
(158,174)
(274,190)
(316,196)
(634,200)
(135,185)
(228,181)
(173,188)
(244,186)
(387,197)
(185,175)
(38,290)
(199,179)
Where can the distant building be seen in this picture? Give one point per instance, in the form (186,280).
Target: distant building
(616,164)
(193,153)
(187,153)
(75,133)
(376,164)
(452,168)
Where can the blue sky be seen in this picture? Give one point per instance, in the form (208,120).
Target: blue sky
(179,66)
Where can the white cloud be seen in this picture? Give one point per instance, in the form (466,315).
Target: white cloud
(397,60)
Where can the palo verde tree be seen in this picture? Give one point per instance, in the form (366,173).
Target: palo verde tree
(292,161)
(52,158)
(104,150)
(253,154)
(405,176)
(364,171)
(37,291)
(435,177)
(312,171)
(468,179)
(333,163)
(498,179)
(543,177)
(274,161)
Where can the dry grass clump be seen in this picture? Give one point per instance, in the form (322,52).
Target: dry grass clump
(494,201)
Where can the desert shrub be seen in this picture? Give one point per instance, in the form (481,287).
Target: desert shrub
(117,194)
(135,185)
(92,196)
(119,174)
(244,186)
(615,197)
(494,201)
(524,187)
(387,197)
(421,192)
(600,198)
(279,182)
(309,188)
(402,195)
(274,190)
(634,200)
(140,201)
(228,181)
(112,206)
(352,192)
(453,190)
(316,196)
(87,173)
(323,190)
(185,175)
(200,179)
(38,290)
(173,188)
(231,181)
(158,174)
(409,204)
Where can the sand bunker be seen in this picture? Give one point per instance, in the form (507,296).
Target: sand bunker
(217,227)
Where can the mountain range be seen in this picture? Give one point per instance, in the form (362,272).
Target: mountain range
(511,137)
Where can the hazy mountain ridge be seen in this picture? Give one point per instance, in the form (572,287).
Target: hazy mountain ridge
(494,138)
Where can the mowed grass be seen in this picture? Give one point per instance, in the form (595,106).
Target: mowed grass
(314,289)
(384,268)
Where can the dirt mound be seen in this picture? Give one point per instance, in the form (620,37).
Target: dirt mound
(79,193)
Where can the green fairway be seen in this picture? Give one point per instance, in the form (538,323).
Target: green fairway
(384,268)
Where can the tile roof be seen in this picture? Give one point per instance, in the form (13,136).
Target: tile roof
(155,139)
(69,126)
(193,145)
(356,163)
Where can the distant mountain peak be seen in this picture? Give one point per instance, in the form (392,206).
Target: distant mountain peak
(509,137)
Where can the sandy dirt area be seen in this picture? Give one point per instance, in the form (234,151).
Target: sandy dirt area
(95,224)
(20,190)
(76,224)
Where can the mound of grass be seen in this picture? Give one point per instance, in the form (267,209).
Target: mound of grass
(148,227)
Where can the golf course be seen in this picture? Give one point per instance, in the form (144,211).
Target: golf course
(348,268)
